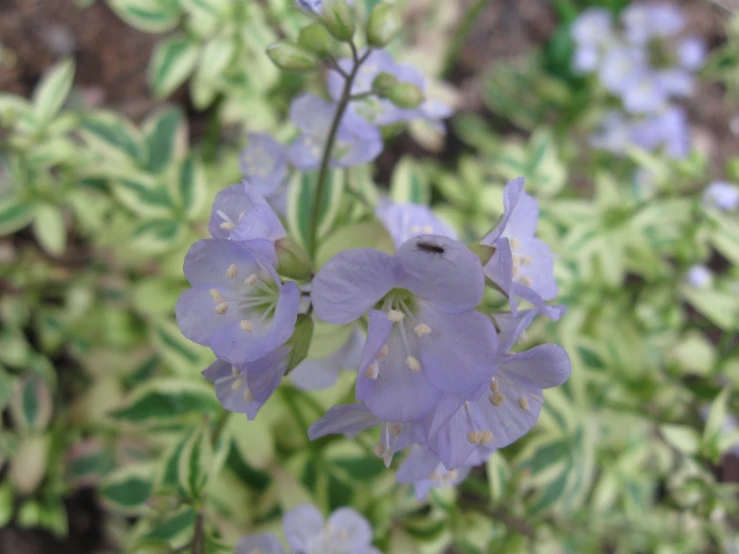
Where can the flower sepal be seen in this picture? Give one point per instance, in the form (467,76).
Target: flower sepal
(292,260)
(299,343)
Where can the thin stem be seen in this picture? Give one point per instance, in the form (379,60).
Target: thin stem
(198,537)
(336,67)
(362,95)
(329,146)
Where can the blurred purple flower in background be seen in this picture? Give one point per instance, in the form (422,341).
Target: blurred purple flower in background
(264,164)
(722,195)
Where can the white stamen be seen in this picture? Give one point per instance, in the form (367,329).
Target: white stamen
(383,352)
(497,399)
(232,271)
(523,403)
(215,294)
(494,386)
(526,281)
(248,396)
(515,270)
(422,329)
(373,371)
(515,243)
(251,279)
(236,385)
(221,308)
(227,226)
(413,364)
(396,316)
(241,215)
(395,429)
(246,325)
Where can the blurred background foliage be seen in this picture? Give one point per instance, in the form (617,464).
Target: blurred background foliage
(106,177)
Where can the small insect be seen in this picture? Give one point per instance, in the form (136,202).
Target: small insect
(430,247)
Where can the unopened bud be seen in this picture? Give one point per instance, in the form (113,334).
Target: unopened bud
(383,82)
(384,23)
(292,260)
(404,95)
(292,57)
(315,38)
(338,18)
(299,342)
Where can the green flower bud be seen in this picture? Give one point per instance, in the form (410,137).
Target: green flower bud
(404,95)
(292,260)
(315,38)
(383,82)
(338,18)
(291,57)
(384,23)
(299,343)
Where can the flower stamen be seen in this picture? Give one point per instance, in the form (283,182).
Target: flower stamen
(232,271)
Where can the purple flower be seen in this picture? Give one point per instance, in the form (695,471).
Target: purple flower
(592,27)
(266,543)
(244,388)
(614,135)
(643,22)
(699,276)
(352,419)
(405,221)
(668,130)
(647,92)
(621,68)
(246,217)
(357,142)
(314,6)
(691,53)
(520,258)
(722,195)
(586,59)
(503,410)
(264,164)
(674,82)
(380,111)
(424,470)
(345,532)
(424,336)
(322,373)
(238,305)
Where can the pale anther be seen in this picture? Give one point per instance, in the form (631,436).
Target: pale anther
(232,271)
(413,364)
(373,371)
(526,281)
(526,260)
(416,229)
(251,279)
(494,386)
(227,226)
(523,403)
(248,396)
(422,329)
(221,308)
(497,399)
(236,385)
(383,352)
(479,437)
(216,295)
(246,325)
(395,429)
(428,229)
(395,316)
(380,450)
(515,243)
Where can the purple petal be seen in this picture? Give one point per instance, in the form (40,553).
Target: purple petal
(500,266)
(419,464)
(208,260)
(303,526)
(692,53)
(228,206)
(378,333)
(322,373)
(197,318)
(459,351)
(351,283)
(348,530)
(511,193)
(264,163)
(511,326)
(305,152)
(405,221)
(450,440)
(311,114)
(544,366)
(266,543)
(537,272)
(452,280)
(348,420)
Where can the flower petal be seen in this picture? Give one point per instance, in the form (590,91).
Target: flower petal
(207,262)
(311,114)
(451,279)
(348,530)
(351,283)
(349,420)
(322,373)
(511,193)
(458,353)
(544,366)
(419,464)
(228,206)
(303,526)
(406,220)
(500,266)
(266,543)
(197,318)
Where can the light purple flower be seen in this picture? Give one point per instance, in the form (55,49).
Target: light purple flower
(673,82)
(405,220)
(244,388)
(592,27)
(380,111)
(503,410)
(614,135)
(266,543)
(357,142)
(424,336)
(238,305)
(345,532)
(520,258)
(352,419)
(668,129)
(322,373)
(586,59)
(722,195)
(621,68)
(264,164)
(691,53)
(643,22)
(699,276)
(246,217)
(424,470)
(314,6)
(647,92)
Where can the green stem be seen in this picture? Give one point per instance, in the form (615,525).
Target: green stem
(213,130)
(328,150)
(198,537)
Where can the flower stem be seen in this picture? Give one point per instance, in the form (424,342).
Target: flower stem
(329,147)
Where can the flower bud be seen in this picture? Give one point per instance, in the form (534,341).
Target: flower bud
(291,57)
(384,23)
(384,81)
(404,95)
(315,38)
(338,18)
(292,260)
(300,341)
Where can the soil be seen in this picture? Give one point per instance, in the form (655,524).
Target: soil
(112,60)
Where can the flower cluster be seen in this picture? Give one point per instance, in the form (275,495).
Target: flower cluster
(345,532)
(646,65)
(437,369)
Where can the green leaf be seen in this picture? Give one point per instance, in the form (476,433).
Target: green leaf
(144,196)
(410,183)
(180,354)
(173,527)
(195,463)
(192,188)
(682,437)
(153,16)
(7,388)
(157,235)
(172,62)
(50,230)
(128,488)
(15,214)
(300,199)
(166,399)
(52,91)
(32,405)
(165,138)
(498,476)
(215,57)
(114,138)
(717,415)
(254,441)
